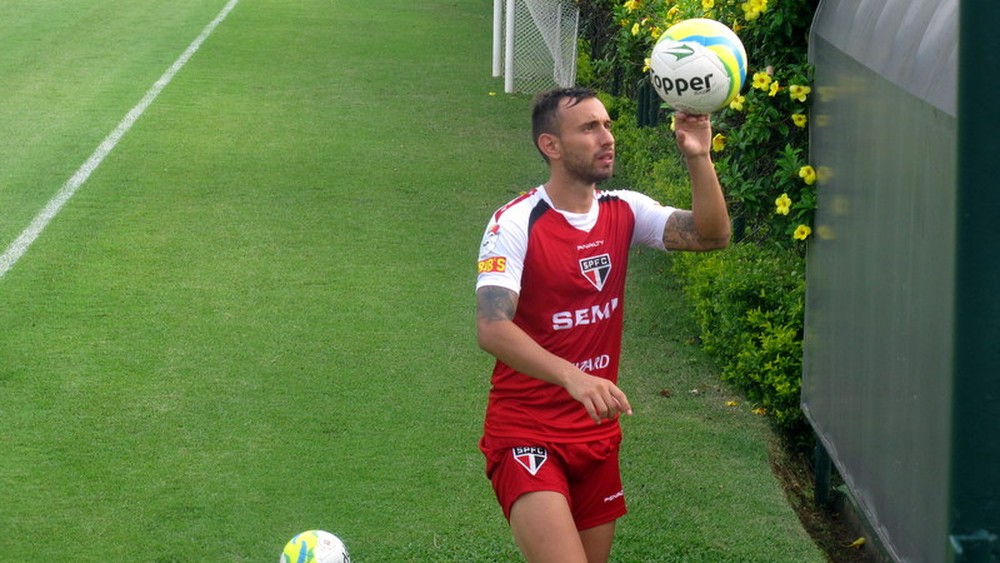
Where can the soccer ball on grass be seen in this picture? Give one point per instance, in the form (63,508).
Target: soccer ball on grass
(315,546)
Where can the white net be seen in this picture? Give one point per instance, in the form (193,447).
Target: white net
(538,40)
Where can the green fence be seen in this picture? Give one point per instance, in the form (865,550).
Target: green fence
(902,348)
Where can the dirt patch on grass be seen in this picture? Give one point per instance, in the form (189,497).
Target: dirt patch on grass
(827,527)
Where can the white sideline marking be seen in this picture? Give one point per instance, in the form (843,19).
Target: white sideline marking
(21,244)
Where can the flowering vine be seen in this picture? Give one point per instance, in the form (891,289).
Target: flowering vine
(761,145)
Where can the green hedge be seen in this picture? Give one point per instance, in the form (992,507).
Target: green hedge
(749,299)
(748,302)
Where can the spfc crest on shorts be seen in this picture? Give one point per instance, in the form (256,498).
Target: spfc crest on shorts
(531,458)
(596,269)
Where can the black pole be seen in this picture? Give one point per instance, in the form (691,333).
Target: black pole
(822,468)
(974,519)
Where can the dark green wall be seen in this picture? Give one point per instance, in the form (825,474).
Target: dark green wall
(885,273)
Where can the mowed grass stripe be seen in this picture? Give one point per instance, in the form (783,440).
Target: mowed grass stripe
(258,318)
(69,71)
(236,314)
(66,192)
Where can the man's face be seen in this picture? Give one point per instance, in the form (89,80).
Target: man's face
(588,147)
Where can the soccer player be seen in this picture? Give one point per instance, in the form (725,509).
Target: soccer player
(549,297)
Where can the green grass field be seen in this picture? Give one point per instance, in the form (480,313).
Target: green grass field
(256,316)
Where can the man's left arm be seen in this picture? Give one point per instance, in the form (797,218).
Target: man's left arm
(706,226)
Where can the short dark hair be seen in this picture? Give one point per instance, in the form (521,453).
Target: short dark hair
(545,110)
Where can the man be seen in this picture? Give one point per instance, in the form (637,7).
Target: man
(549,307)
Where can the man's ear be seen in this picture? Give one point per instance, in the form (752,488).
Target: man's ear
(549,145)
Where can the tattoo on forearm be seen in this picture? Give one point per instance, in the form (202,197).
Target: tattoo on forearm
(495,303)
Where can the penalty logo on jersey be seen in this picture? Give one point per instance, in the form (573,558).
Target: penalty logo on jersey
(596,269)
(531,458)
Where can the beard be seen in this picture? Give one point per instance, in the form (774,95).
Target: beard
(593,170)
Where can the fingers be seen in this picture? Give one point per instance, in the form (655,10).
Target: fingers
(685,123)
(696,118)
(602,399)
(623,404)
(606,402)
(693,133)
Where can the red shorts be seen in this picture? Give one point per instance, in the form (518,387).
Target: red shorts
(586,474)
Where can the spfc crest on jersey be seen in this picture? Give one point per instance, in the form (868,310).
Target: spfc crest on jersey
(596,269)
(531,458)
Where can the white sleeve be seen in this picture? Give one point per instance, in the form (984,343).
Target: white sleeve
(650,218)
(501,256)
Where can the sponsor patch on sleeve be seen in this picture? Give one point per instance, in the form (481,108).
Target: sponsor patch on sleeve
(493,264)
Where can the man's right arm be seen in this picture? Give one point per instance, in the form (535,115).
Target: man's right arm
(498,335)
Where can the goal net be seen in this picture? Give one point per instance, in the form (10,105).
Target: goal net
(534,43)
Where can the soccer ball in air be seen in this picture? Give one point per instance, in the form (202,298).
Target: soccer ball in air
(698,66)
(315,546)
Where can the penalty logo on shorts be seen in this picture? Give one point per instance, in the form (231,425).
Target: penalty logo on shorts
(596,269)
(531,458)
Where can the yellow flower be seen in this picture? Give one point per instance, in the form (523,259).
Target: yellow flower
(718,142)
(673,123)
(799,93)
(775,88)
(808,174)
(754,8)
(759,411)
(732,403)
(761,80)
(655,32)
(631,5)
(783,204)
(707,5)
(802,232)
(799,119)
(750,11)
(737,103)
(645,65)
(635,28)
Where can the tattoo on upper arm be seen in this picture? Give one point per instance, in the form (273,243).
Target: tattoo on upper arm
(495,303)
(679,232)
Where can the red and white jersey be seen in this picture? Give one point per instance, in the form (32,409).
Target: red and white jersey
(569,273)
